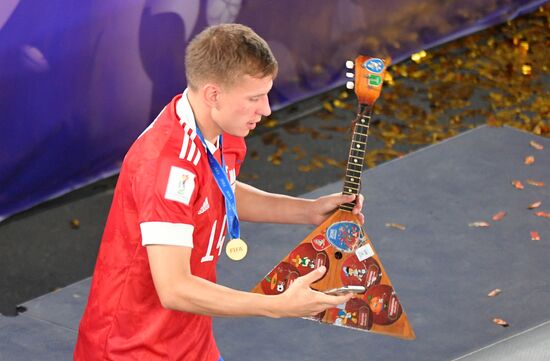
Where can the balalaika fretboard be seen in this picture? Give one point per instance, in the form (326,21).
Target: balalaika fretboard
(357,150)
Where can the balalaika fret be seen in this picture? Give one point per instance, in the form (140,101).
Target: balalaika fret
(356,156)
(356,168)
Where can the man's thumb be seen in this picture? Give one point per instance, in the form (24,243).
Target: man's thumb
(348,197)
(344,198)
(314,275)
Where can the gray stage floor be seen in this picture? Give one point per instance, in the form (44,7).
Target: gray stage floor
(441,268)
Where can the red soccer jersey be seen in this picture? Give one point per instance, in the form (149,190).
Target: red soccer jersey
(165,194)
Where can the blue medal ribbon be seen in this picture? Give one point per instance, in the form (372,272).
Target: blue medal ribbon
(223,183)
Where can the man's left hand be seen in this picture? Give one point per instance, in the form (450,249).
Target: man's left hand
(323,206)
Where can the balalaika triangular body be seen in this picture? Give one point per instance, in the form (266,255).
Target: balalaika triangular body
(341,245)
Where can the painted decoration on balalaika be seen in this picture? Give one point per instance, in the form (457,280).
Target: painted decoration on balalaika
(341,245)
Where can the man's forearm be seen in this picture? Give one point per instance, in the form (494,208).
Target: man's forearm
(255,205)
(199,296)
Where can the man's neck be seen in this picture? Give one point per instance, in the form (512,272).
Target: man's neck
(203,120)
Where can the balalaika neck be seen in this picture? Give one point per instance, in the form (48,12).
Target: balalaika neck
(354,168)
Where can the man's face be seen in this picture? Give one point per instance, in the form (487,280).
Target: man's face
(241,106)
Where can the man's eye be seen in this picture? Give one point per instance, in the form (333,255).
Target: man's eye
(254,99)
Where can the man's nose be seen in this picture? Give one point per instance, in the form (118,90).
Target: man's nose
(265,110)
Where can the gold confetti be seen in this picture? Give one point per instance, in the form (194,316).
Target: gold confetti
(478,224)
(271,123)
(417,57)
(275,159)
(501,322)
(339,104)
(518,184)
(316,162)
(335,163)
(535,236)
(524,45)
(395,225)
(496,97)
(529,160)
(494,292)
(75,223)
(526,69)
(542,214)
(534,205)
(343,95)
(535,183)
(289,186)
(336,128)
(315,134)
(536,145)
(328,107)
(388,78)
(498,216)
(300,153)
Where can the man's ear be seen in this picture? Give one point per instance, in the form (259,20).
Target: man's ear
(211,94)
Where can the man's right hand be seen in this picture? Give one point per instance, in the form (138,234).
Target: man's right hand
(299,300)
(178,289)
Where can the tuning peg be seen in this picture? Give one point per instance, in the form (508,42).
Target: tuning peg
(350,85)
(350,75)
(350,64)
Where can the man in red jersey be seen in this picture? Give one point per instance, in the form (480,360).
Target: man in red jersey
(154,286)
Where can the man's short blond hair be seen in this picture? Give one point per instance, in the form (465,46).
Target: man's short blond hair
(225,52)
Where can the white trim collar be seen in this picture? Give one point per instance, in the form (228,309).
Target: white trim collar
(186,115)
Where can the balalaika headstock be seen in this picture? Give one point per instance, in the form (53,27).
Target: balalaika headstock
(367,79)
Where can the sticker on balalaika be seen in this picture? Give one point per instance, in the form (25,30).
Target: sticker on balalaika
(280,278)
(305,258)
(364,252)
(355,313)
(384,304)
(319,242)
(364,273)
(344,235)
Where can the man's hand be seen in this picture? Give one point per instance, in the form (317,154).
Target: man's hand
(278,208)
(299,300)
(322,207)
(178,289)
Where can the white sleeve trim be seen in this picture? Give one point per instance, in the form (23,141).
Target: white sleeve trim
(172,234)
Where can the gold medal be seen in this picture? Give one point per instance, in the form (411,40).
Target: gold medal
(236,249)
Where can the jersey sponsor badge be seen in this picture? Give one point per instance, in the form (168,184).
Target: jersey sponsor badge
(181,184)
